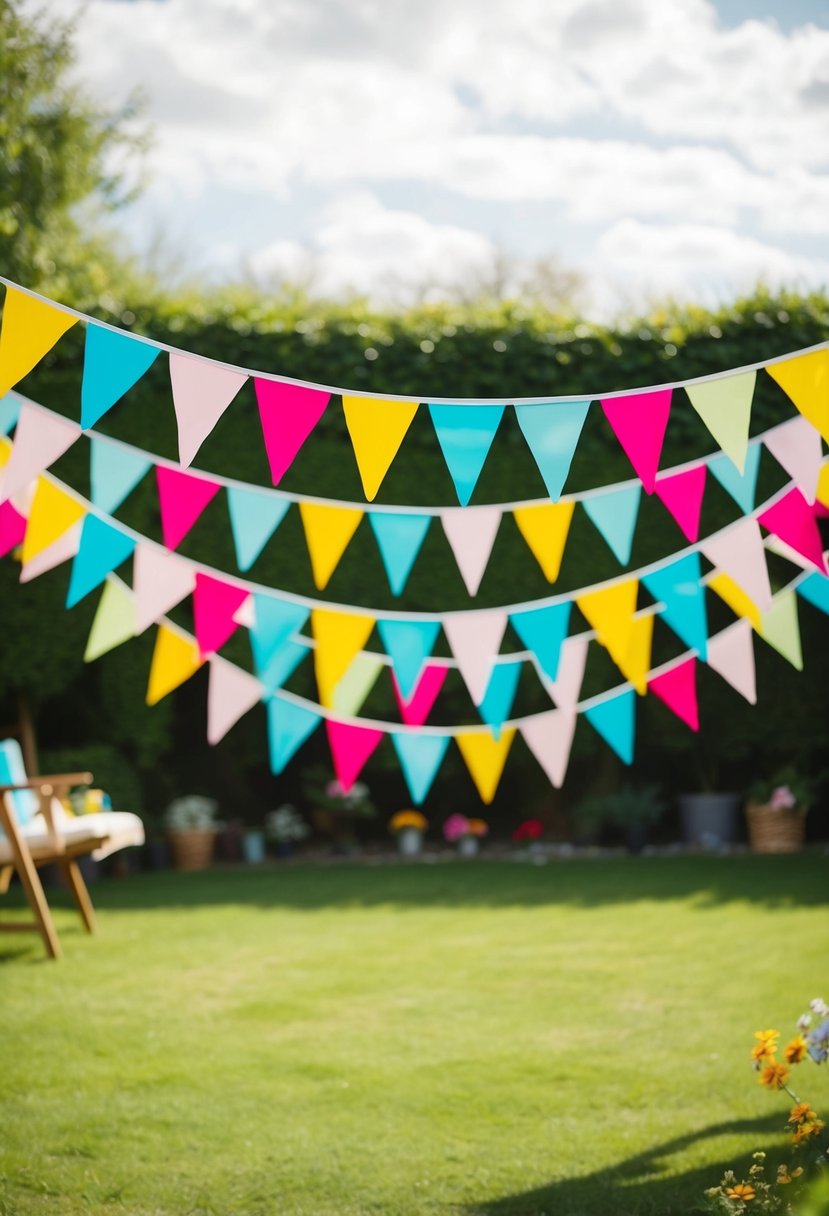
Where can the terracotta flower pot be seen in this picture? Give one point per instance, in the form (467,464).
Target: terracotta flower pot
(193,849)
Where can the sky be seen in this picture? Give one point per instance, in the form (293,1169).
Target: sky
(407,149)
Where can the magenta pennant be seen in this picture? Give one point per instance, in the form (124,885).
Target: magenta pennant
(793,521)
(549,736)
(230,694)
(288,413)
(731,655)
(12,528)
(738,551)
(202,391)
(160,580)
(181,497)
(39,440)
(797,446)
(351,747)
(639,422)
(678,689)
(214,605)
(416,710)
(682,494)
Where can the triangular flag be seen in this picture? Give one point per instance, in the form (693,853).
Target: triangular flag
(399,538)
(741,486)
(797,447)
(639,422)
(815,589)
(500,693)
(610,611)
(635,663)
(282,665)
(549,736)
(420,758)
(733,595)
(9,413)
(275,622)
(288,413)
(114,471)
(52,513)
(102,549)
(231,692)
(181,497)
(289,725)
(677,687)
(214,603)
(475,638)
(823,486)
(31,327)
(615,720)
(327,533)
(738,551)
(805,381)
(61,550)
(552,432)
(724,406)
(680,589)
(731,655)
(175,659)
(254,517)
(781,628)
(114,621)
(485,757)
(160,580)
(775,545)
(112,363)
(543,630)
(339,636)
(793,520)
(416,709)
(544,527)
(408,644)
(40,439)
(353,689)
(682,494)
(566,687)
(614,514)
(465,434)
(351,747)
(12,528)
(202,391)
(377,428)
(471,534)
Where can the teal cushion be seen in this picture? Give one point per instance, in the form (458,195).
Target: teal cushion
(12,769)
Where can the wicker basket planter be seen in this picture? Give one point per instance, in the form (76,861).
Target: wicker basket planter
(193,849)
(775,830)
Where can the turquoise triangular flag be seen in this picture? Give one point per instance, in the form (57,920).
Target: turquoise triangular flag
(112,363)
(408,644)
(741,486)
(282,664)
(465,434)
(680,589)
(552,431)
(814,588)
(542,630)
(254,517)
(274,622)
(500,694)
(614,514)
(101,550)
(420,758)
(615,721)
(113,472)
(289,725)
(9,413)
(399,538)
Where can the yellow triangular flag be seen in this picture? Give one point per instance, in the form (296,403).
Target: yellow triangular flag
(485,757)
(327,533)
(6,446)
(822,492)
(52,513)
(114,621)
(339,637)
(610,612)
(31,327)
(175,659)
(376,427)
(733,595)
(725,407)
(805,380)
(781,628)
(636,663)
(353,689)
(545,527)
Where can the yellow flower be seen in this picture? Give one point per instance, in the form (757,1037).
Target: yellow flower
(806,1130)
(802,1113)
(741,1191)
(796,1050)
(408,819)
(774,1076)
(766,1044)
(784,1177)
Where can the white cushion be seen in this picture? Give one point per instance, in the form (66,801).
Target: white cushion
(122,830)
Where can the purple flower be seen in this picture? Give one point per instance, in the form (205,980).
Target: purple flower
(818,1042)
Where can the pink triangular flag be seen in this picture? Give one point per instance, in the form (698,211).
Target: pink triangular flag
(159,581)
(12,528)
(549,736)
(214,603)
(572,660)
(677,687)
(739,552)
(182,497)
(731,655)
(682,495)
(351,747)
(40,439)
(475,638)
(202,391)
(639,422)
(793,521)
(230,694)
(61,550)
(471,534)
(415,711)
(797,446)
(288,413)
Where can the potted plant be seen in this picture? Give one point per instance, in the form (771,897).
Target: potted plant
(191,831)
(408,826)
(776,812)
(336,809)
(529,832)
(465,833)
(283,828)
(633,808)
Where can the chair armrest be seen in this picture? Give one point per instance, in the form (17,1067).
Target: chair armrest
(53,779)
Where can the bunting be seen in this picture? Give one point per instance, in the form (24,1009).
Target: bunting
(12,528)
(31,327)
(496,706)
(353,689)
(682,494)
(102,549)
(471,533)
(679,588)
(159,582)
(327,533)
(543,631)
(724,405)
(639,423)
(289,725)
(408,644)
(399,539)
(351,747)
(114,472)
(465,434)
(231,693)
(741,486)
(53,512)
(677,687)
(615,720)
(420,758)
(552,433)
(792,520)
(545,527)
(738,551)
(202,391)
(780,627)
(415,709)
(181,498)
(113,363)
(731,655)
(39,440)
(805,381)
(339,636)
(377,428)
(549,736)
(61,550)
(254,517)
(485,757)
(475,638)
(797,447)
(614,514)
(288,413)
(214,605)
(175,660)
(114,620)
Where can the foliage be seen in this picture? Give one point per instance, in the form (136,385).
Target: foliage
(327,793)
(285,824)
(193,812)
(458,826)
(629,804)
(110,770)
(786,789)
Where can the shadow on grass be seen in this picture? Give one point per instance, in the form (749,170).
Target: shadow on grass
(641,1185)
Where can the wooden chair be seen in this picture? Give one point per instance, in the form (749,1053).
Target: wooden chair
(36,830)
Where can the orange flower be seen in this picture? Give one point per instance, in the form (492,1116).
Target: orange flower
(796,1050)
(802,1113)
(806,1130)
(774,1076)
(741,1191)
(766,1044)
(784,1177)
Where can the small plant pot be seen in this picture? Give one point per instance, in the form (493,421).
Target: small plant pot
(192,850)
(284,849)
(253,848)
(468,846)
(709,821)
(409,842)
(773,830)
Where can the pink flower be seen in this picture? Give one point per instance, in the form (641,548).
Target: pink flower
(455,827)
(782,799)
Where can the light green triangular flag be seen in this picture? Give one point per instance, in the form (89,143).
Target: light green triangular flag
(725,408)
(114,621)
(356,684)
(781,628)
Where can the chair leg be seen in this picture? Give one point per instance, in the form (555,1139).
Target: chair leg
(30,880)
(5,878)
(74,878)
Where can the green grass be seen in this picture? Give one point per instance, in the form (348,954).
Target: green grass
(399,1040)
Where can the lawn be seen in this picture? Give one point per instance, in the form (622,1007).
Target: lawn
(487,1039)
